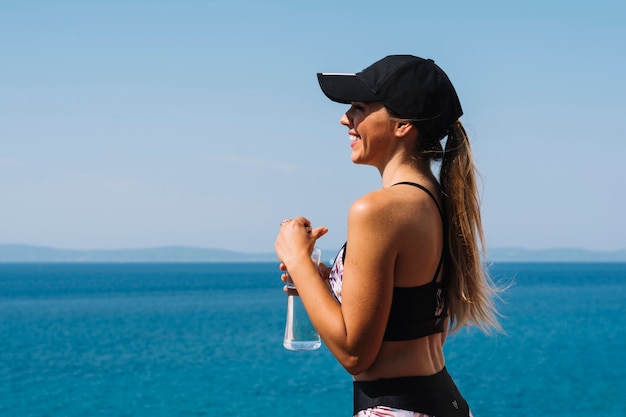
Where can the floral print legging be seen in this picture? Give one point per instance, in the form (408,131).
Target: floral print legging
(382,411)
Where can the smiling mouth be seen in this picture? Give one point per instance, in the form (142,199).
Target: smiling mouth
(354,138)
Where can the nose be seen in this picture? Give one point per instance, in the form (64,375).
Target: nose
(345,119)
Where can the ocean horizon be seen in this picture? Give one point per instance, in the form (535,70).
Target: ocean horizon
(205,339)
(18,253)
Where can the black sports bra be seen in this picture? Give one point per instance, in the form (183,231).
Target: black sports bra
(415,311)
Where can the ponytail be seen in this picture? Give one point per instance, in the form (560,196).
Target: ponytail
(471,290)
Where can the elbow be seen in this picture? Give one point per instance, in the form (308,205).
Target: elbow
(358,356)
(356,365)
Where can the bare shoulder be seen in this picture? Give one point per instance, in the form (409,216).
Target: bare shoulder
(375,211)
(395,212)
(375,234)
(372,206)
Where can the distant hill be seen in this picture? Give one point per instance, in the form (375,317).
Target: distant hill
(554,255)
(28,253)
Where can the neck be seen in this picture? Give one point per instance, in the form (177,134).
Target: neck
(398,170)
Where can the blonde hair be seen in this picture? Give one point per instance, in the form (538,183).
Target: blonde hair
(472,291)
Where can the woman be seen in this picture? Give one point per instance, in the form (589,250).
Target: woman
(411,269)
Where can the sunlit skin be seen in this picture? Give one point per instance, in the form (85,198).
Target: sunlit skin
(395,238)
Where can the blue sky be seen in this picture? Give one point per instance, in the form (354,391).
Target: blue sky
(127,124)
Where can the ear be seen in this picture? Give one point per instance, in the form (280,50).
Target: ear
(404,129)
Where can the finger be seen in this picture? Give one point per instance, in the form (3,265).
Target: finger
(290,291)
(303,221)
(319,232)
(324,271)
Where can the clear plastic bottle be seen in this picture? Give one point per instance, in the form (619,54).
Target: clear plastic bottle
(299,331)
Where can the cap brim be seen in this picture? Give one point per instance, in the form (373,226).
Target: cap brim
(345,88)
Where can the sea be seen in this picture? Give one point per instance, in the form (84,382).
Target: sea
(181,339)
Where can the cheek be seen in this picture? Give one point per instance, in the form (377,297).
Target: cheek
(356,122)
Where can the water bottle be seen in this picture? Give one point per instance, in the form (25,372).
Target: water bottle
(299,331)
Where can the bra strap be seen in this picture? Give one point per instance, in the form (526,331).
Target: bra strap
(426,190)
(443,221)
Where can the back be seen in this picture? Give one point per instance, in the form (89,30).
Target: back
(416,319)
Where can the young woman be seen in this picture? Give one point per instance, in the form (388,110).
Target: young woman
(411,268)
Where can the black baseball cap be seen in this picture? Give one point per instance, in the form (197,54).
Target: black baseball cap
(411,87)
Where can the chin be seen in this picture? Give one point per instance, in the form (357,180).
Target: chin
(358,161)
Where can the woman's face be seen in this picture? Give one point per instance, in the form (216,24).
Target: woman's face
(371,132)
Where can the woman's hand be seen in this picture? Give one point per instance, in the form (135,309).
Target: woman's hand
(323,269)
(294,245)
(296,240)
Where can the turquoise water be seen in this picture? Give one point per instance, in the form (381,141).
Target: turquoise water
(206,340)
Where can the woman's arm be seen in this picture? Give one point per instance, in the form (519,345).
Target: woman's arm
(353,330)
